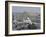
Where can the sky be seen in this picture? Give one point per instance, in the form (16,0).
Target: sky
(19,9)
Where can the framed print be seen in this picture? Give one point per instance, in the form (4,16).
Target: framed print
(24,18)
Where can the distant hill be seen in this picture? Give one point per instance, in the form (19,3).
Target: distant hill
(32,16)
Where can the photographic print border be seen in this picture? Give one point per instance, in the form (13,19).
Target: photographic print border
(6,18)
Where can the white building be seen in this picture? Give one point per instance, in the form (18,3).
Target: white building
(28,20)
